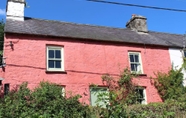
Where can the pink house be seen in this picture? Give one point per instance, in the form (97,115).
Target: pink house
(76,55)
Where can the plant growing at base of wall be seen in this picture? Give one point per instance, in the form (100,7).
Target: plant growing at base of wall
(45,101)
(170,85)
(122,92)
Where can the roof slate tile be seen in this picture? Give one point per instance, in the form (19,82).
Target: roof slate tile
(64,29)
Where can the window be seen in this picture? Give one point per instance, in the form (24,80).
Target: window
(99,96)
(6,88)
(141,95)
(135,62)
(55,58)
(1,79)
(63,91)
(2,61)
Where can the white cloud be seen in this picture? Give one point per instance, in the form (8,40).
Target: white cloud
(2,11)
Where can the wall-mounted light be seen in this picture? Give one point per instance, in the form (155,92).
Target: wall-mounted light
(11,45)
(4,61)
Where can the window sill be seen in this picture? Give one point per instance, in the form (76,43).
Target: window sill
(140,74)
(62,72)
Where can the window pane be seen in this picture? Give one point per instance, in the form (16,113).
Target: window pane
(51,53)
(6,89)
(51,64)
(136,58)
(135,67)
(138,67)
(140,95)
(132,67)
(58,64)
(57,53)
(131,58)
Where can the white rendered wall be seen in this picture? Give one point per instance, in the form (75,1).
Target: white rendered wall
(176,57)
(15,10)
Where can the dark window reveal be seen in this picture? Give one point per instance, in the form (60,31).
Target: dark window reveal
(6,89)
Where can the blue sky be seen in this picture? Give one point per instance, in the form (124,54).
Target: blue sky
(84,12)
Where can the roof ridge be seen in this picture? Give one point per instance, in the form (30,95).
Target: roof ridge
(166,33)
(92,25)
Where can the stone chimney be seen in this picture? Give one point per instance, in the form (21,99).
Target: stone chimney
(15,9)
(137,23)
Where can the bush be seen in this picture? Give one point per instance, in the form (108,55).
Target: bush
(171,109)
(46,101)
(170,85)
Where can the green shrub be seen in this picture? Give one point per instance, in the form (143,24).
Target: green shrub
(170,85)
(170,109)
(45,101)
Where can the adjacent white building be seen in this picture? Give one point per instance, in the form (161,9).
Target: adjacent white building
(176,56)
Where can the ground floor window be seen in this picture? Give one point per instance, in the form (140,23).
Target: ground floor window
(63,91)
(141,95)
(99,96)
(6,88)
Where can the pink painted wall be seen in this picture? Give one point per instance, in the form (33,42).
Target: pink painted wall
(85,62)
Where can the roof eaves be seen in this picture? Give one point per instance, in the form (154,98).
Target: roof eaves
(115,41)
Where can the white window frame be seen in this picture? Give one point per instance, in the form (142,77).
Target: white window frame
(100,102)
(140,71)
(62,58)
(144,101)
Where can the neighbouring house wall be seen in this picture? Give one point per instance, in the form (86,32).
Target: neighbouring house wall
(85,62)
(176,57)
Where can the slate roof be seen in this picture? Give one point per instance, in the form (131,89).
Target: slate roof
(100,33)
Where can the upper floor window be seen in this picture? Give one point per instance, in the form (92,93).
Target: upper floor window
(135,62)
(55,58)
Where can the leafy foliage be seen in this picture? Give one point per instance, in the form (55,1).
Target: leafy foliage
(121,94)
(46,101)
(122,97)
(122,90)
(170,85)
(184,63)
(169,109)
